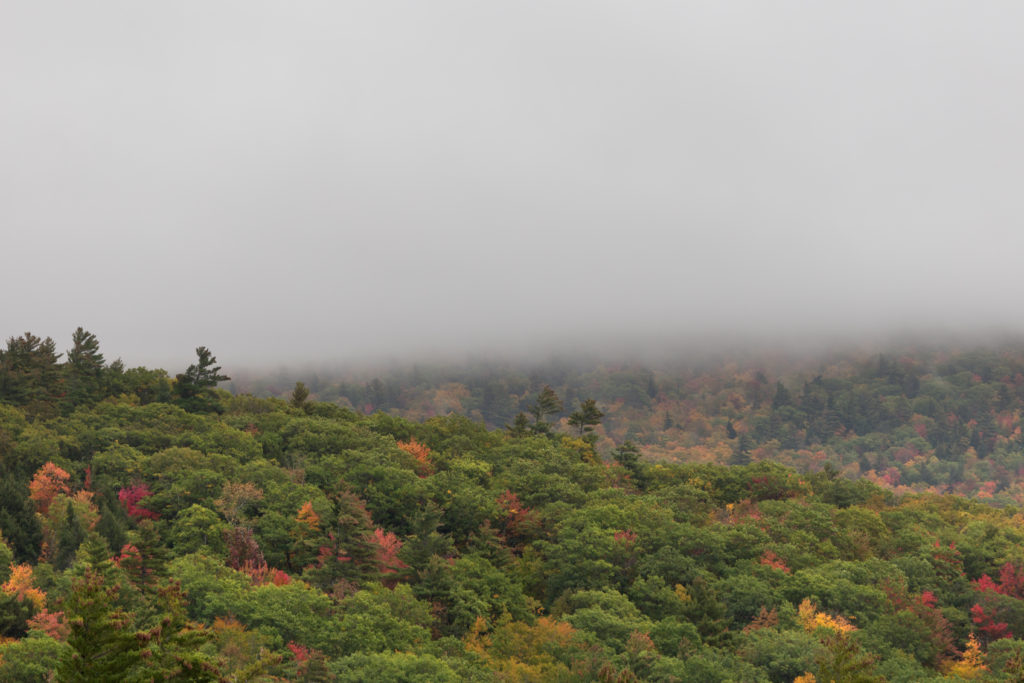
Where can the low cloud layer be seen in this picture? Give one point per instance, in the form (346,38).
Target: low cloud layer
(325,181)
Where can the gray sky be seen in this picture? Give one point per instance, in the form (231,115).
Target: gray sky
(303,181)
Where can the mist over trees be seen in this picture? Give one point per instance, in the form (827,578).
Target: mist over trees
(159,527)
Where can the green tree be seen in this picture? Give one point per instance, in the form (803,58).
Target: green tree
(30,375)
(299,395)
(194,387)
(69,537)
(520,426)
(32,659)
(83,369)
(547,403)
(586,417)
(103,646)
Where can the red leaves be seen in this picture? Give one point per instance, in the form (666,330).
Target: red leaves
(521,522)
(261,574)
(301,652)
(1011,582)
(770,559)
(242,547)
(987,624)
(626,538)
(50,623)
(388,546)
(130,496)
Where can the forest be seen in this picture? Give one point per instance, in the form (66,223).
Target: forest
(852,517)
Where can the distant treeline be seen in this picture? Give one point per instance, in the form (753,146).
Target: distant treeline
(929,419)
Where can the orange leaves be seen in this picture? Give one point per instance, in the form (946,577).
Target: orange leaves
(764,619)
(422,455)
(307,516)
(49,482)
(50,623)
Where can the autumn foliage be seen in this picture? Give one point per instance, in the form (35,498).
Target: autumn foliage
(49,482)
(130,496)
(421,453)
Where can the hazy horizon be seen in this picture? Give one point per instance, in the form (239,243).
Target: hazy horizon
(331,183)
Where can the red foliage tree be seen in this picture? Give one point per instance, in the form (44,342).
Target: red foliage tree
(388,546)
(130,497)
(989,627)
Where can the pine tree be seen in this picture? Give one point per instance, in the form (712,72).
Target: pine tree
(69,538)
(520,426)
(547,403)
(83,370)
(30,375)
(586,417)
(195,386)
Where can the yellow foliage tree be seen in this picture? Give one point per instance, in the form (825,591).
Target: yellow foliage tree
(811,619)
(972,663)
(20,586)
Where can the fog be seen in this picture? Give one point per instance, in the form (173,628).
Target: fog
(322,182)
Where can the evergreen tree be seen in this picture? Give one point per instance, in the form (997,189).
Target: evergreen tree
(586,417)
(69,537)
(103,644)
(30,375)
(782,396)
(195,386)
(547,403)
(520,426)
(83,369)
(299,395)
(18,520)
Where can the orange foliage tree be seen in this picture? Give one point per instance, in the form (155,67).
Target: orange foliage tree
(47,483)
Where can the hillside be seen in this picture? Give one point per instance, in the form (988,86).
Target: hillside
(158,528)
(921,419)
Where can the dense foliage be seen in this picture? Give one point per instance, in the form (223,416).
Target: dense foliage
(158,532)
(922,420)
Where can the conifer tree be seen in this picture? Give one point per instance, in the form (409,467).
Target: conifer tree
(547,403)
(194,387)
(103,645)
(586,417)
(299,395)
(83,369)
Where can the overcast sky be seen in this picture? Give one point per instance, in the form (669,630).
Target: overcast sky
(305,181)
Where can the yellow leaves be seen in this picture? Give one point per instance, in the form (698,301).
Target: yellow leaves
(972,663)
(811,619)
(227,624)
(476,641)
(806,678)
(20,586)
(681,593)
